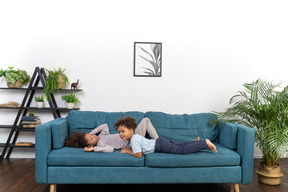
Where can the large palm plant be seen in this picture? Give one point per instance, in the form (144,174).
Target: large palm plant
(261,107)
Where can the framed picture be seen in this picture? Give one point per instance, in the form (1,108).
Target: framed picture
(147,59)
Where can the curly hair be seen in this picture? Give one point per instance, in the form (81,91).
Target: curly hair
(128,122)
(76,140)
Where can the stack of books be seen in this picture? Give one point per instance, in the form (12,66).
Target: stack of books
(28,121)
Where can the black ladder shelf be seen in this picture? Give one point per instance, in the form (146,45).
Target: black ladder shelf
(39,75)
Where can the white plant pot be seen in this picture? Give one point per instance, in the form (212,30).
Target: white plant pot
(39,104)
(70,105)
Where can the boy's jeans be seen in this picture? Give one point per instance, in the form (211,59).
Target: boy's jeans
(164,145)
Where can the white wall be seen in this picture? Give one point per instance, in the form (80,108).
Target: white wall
(210,48)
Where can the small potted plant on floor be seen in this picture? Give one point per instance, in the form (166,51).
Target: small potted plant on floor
(261,107)
(15,78)
(71,100)
(55,80)
(39,101)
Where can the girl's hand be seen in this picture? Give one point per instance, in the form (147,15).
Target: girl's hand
(89,149)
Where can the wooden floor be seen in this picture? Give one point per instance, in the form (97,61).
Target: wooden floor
(17,175)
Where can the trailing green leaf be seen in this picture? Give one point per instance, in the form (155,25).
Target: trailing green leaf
(52,82)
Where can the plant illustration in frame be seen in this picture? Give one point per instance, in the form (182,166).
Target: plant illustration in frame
(147,59)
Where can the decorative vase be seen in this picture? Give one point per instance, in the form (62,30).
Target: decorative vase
(61,81)
(39,104)
(17,84)
(70,105)
(269,175)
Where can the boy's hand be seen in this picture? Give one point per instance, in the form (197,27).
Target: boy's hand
(89,149)
(126,150)
(130,151)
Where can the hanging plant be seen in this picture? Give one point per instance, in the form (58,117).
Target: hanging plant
(55,80)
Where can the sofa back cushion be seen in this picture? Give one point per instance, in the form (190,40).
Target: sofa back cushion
(86,121)
(183,127)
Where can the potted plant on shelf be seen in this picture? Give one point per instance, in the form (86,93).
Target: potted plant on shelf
(15,78)
(71,100)
(55,80)
(39,101)
(261,107)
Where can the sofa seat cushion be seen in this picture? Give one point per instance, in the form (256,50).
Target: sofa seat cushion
(203,158)
(78,157)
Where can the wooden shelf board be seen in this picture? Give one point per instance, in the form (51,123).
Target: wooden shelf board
(18,128)
(13,145)
(44,108)
(6,126)
(38,88)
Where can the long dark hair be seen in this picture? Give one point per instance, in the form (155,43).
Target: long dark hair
(76,140)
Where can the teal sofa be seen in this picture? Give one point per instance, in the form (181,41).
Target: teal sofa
(57,164)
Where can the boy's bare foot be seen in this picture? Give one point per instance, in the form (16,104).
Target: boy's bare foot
(210,145)
(197,139)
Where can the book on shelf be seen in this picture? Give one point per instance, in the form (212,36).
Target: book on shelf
(27,121)
(23,144)
(29,126)
(30,118)
(38,122)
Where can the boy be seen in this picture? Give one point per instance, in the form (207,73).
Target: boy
(140,145)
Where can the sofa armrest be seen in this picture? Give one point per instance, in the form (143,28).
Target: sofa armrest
(228,135)
(59,133)
(245,148)
(240,138)
(43,146)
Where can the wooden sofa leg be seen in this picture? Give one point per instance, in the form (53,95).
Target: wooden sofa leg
(235,187)
(53,187)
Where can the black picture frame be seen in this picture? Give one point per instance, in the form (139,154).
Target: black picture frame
(147,59)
